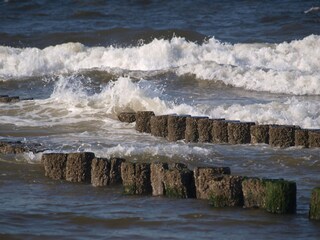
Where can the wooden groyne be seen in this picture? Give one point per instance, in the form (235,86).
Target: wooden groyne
(214,184)
(175,127)
(12,99)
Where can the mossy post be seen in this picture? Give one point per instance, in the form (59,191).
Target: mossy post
(226,191)
(136,178)
(78,167)
(128,178)
(191,133)
(254,193)
(179,182)
(314,212)
(54,165)
(281,196)
(176,127)
(301,137)
(239,132)
(159,126)
(143,121)
(259,134)
(281,136)
(203,176)
(314,138)
(128,117)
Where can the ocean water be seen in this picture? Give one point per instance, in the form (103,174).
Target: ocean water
(84,62)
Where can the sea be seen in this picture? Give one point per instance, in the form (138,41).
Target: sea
(84,62)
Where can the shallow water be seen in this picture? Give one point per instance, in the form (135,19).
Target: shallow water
(239,60)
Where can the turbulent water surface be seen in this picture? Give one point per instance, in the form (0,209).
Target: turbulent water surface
(84,62)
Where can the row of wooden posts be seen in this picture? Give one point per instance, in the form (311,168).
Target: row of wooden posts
(214,184)
(12,99)
(203,129)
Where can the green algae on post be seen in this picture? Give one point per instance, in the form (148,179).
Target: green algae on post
(281,196)
(314,212)
(179,182)
(136,178)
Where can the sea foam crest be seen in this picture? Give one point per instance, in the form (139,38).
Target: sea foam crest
(291,68)
(71,103)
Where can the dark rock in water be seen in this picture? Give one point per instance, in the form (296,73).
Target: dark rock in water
(128,117)
(159,126)
(203,177)
(301,137)
(12,148)
(191,132)
(314,138)
(281,136)
(281,196)
(157,178)
(143,121)
(176,127)
(259,134)
(6,99)
(78,168)
(254,193)
(136,178)
(314,212)
(179,182)
(239,132)
(100,172)
(226,191)
(54,165)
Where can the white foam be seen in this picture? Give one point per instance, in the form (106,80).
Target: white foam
(291,68)
(71,104)
(291,112)
(312,9)
(185,151)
